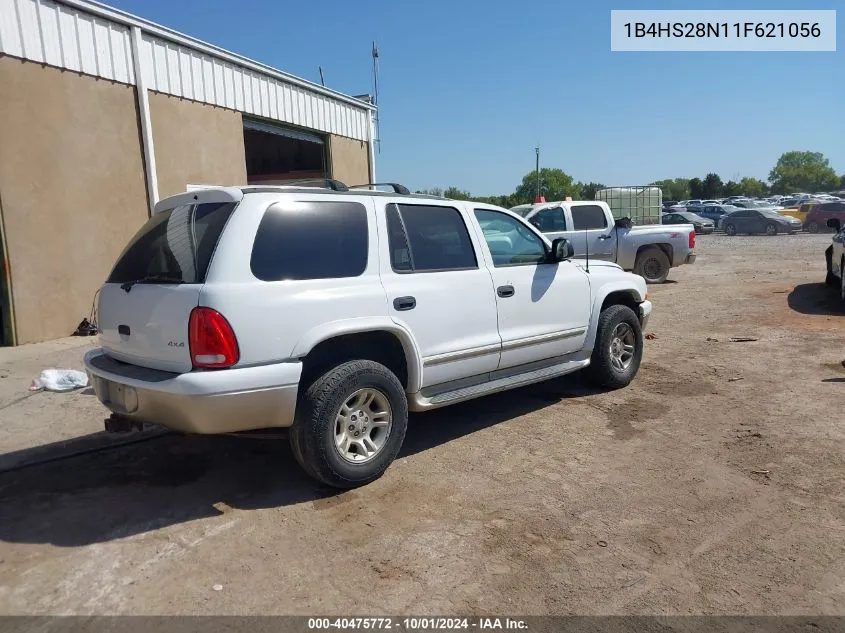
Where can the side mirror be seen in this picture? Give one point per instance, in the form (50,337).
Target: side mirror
(624,223)
(562,250)
(835,224)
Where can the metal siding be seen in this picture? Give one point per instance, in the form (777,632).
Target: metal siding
(65,36)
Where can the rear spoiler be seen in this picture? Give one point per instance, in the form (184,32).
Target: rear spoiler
(200,195)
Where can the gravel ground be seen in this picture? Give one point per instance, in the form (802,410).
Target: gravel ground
(712,484)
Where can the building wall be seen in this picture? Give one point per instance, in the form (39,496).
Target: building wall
(195,143)
(72,187)
(350,160)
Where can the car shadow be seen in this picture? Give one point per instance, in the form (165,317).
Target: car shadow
(103,495)
(816,298)
(833,379)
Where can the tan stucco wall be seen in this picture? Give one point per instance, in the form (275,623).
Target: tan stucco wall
(72,189)
(350,160)
(195,144)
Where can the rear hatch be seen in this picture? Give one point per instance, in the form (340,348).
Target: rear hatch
(146,302)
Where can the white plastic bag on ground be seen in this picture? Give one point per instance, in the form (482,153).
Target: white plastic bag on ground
(60,380)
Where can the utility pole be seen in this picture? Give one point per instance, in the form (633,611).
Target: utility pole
(537,150)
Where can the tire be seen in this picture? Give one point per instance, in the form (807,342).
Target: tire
(652,265)
(315,431)
(830,279)
(730,229)
(602,371)
(771,229)
(813,227)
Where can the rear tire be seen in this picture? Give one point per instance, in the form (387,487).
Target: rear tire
(771,229)
(730,229)
(652,265)
(618,350)
(813,227)
(323,444)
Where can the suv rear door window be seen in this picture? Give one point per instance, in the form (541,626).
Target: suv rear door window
(588,216)
(428,238)
(549,220)
(174,246)
(311,240)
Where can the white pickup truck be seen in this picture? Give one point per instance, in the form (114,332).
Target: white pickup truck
(333,312)
(649,251)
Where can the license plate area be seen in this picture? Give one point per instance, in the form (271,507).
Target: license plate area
(117,397)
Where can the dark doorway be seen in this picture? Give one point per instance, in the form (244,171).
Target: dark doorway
(276,154)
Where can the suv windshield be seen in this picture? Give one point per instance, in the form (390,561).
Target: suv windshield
(174,246)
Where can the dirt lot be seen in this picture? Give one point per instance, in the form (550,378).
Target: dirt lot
(714,484)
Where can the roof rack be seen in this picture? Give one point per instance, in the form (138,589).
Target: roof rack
(397,188)
(327,183)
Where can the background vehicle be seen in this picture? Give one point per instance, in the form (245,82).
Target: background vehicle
(817,215)
(333,312)
(753,221)
(835,257)
(715,212)
(650,251)
(702,225)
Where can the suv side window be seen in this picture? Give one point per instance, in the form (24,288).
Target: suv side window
(511,243)
(428,238)
(311,240)
(550,220)
(588,216)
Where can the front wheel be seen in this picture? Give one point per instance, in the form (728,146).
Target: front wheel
(771,229)
(618,349)
(652,264)
(813,227)
(350,424)
(730,229)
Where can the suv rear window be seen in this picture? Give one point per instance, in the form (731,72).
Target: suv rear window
(428,238)
(174,246)
(311,240)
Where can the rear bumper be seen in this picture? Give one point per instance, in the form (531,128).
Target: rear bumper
(706,230)
(645,313)
(207,402)
(690,259)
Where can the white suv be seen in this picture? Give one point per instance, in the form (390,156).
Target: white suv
(335,311)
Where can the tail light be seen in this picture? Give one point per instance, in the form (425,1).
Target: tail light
(692,239)
(211,340)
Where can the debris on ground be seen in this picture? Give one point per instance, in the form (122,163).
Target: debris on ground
(759,472)
(59,380)
(651,336)
(710,339)
(218,587)
(734,379)
(602,543)
(742,339)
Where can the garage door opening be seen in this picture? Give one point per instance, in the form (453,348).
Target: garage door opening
(276,154)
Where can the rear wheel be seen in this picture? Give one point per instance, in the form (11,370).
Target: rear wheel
(730,229)
(618,349)
(652,264)
(771,229)
(350,424)
(813,227)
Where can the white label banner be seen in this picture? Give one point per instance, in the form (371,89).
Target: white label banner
(712,30)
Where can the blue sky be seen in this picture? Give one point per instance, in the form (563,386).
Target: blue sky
(468,88)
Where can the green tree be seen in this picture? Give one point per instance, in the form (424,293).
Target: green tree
(457,194)
(696,188)
(712,187)
(842,181)
(555,184)
(732,188)
(589,190)
(436,191)
(802,171)
(752,187)
(673,188)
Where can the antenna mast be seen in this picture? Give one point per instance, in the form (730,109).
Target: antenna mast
(377,139)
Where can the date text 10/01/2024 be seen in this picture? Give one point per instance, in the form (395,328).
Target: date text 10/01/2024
(722,29)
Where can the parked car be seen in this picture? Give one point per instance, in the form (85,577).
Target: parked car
(753,221)
(649,250)
(701,225)
(818,215)
(715,212)
(835,257)
(334,312)
(707,202)
(669,203)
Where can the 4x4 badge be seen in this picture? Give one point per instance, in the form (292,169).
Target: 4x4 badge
(175,344)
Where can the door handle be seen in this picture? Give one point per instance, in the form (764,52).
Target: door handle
(604,237)
(505,291)
(404,303)
(123,330)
